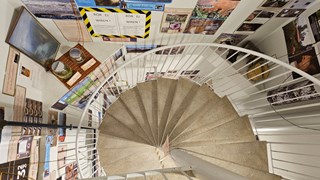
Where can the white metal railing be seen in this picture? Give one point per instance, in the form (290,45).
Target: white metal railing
(224,68)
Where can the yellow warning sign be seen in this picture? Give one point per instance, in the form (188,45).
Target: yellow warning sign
(116,23)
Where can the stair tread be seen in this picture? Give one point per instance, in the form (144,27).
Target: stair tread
(166,90)
(183,96)
(197,110)
(114,127)
(249,154)
(145,91)
(240,128)
(247,172)
(132,100)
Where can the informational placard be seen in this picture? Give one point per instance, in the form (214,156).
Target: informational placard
(116,23)
(11,72)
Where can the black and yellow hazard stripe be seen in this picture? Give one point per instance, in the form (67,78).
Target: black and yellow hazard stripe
(86,20)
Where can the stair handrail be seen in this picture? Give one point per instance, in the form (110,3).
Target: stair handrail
(214,45)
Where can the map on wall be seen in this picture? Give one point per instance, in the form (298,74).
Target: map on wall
(209,15)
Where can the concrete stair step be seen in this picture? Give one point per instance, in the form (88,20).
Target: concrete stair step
(196,111)
(165,89)
(249,154)
(133,103)
(234,131)
(117,128)
(217,112)
(250,173)
(147,95)
(182,99)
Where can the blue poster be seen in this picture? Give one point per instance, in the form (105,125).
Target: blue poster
(151,5)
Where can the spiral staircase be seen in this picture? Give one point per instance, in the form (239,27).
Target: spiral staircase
(177,126)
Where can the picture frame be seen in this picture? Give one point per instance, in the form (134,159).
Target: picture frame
(32,39)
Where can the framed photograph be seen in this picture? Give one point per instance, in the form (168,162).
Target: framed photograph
(32,39)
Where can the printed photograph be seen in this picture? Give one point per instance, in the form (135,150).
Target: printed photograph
(301,91)
(25,71)
(172,51)
(214,9)
(249,27)
(300,4)
(314,21)
(297,36)
(230,39)
(53,9)
(306,61)
(286,13)
(275,3)
(139,48)
(253,15)
(266,14)
(203,26)
(174,20)
(190,73)
(24,147)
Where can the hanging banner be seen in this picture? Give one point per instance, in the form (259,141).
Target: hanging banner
(116,23)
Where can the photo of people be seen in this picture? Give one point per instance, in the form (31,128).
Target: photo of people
(275,3)
(306,61)
(249,27)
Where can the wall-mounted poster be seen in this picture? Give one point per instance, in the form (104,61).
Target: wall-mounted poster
(15,169)
(32,39)
(24,147)
(174,20)
(117,22)
(299,41)
(54,9)
(10,78)
(208,16)
(300,4)
(151,5)
(62,156)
